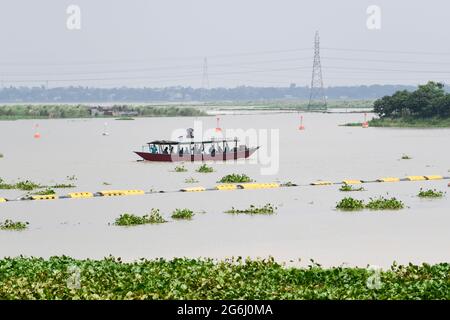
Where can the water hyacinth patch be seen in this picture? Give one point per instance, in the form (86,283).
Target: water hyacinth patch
(26,185)
(13,225)
(232,279)
(382,203)
(235,178)
(349,187)
(406,157)
(205,169)
(182,214)
(430,193)
(180,168)
(44,192)
(63,185)
(266,209)
(190,180)
(127,219)
(350,204)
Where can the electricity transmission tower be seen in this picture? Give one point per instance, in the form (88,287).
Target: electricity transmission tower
(205,80)
(317,97)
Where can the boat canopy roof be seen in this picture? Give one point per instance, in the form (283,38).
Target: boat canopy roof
(168,142)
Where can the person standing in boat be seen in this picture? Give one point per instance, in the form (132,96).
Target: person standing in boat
(212,150)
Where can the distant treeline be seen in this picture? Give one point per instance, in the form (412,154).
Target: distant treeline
(428,101)
(80,111)
(242,93)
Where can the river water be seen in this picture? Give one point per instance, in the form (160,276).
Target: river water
(306,225)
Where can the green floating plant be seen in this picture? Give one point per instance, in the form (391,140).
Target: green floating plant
(182,214)
(127,219)
(13,225)
(430,193)
(266,209)
(235,178)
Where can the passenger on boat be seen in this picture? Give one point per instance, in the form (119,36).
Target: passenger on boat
(153,149)
(166,150)
(212,150)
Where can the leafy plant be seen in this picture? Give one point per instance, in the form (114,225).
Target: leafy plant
(180,168)
(190,180)
(63,185)
(350,204)
(430,193)
(182,214)
(127,219)
(197,279)
(235,178)
(204,168)
(26,185)
(44,192)
(266,209)
(349,187)
(406,157)
(13,225)
(382,203)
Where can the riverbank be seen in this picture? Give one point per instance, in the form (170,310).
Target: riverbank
(411,123)
(110,278)
(404,123)
(20,112)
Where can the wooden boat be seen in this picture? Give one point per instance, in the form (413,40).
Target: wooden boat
(211,150)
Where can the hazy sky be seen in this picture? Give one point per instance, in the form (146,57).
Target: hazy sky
(157,43)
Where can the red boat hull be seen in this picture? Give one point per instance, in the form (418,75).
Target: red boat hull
(196,157)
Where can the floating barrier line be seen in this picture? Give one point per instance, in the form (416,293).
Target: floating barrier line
(222,187)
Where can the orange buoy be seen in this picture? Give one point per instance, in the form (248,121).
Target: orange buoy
(218,128)
(301,127)
(37,135)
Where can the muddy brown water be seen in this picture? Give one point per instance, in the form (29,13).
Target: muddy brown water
(305,226)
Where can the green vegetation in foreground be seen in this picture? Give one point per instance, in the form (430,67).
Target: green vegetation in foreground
(349,187)
(430,193)
(127,219)
(180,168)
(1,155)
(233,279)
(380,203)
(13,225)
(235,178)
(15,112)
(190,180)
(204,168)
(266,209)
(182,214)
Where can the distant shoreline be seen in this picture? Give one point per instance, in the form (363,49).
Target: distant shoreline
(404,123)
